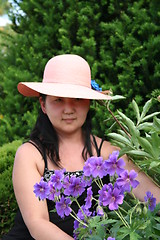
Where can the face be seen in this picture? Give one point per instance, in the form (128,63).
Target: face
(67,115)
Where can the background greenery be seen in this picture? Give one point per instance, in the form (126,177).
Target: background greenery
(120,40)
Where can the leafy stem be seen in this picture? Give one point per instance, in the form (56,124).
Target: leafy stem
(133,209)
(117,121)
(72,215)
(119,214)
(80,208)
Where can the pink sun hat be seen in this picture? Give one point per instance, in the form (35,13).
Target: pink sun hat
(65,75)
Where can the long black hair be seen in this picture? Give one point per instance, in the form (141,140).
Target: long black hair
(45,137)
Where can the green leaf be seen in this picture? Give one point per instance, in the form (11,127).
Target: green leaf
(136,110)
(100,231)
(139,153)
(93,238)
(135,141)
(157,226)
(122,233)
(124,150)
(144,224)
(150,116)
(145,126)
(154,164)
(155,141)
(156,123)
(134,236)
(120,131)
(146,108)
(117,97)
(120,138)
(145,144)
(108,221)
(134,132)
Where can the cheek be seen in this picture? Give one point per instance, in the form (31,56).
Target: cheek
(87,106)
(84,109)
(53,114)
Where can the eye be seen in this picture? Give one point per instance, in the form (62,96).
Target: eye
(78,99)
(58,100)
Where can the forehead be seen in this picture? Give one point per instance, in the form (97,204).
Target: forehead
(64,98)
(55,97)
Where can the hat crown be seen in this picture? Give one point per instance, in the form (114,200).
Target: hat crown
(66,75)
(67,69)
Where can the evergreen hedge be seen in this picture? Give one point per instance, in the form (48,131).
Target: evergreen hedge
(119,39)
(8,203)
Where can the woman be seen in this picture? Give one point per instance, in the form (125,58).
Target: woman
(61,138)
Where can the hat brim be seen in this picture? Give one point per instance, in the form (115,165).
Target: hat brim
(30,89)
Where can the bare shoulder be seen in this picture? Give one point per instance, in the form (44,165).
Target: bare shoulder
(28,155)
(27,148)
(107,148)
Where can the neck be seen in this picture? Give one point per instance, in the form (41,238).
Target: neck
(72,137)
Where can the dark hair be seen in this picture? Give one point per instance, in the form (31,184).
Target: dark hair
(45,137)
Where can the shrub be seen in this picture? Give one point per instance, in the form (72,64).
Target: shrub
(140,138)
(8,203)
(119,39)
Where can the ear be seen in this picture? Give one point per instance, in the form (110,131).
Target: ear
(42,103)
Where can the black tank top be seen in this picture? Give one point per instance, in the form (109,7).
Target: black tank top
(20,231)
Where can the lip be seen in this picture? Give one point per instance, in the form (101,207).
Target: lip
(69,120)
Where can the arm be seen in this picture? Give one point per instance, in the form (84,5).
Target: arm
(146,183)
(28,169)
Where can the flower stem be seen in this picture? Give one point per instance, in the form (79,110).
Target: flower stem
(78,220)
(122,219)
(130,218)
(123,210)
(81,209)
(101,182)
(97,184)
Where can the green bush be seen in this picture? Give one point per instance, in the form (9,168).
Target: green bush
(140,138)
(8,203)
(119,39)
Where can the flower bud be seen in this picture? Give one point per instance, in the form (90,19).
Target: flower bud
(145,210)
(138,210)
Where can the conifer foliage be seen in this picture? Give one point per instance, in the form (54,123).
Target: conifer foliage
(119,39)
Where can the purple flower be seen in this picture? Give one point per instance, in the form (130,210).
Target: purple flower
(83,212)
(62,207)
(113,165)
(98,169)
(103,195)
(66,184)
(53,192)
(100,211)
(57,178)
(77,186)
(127,180)
(150,200)
(95,167)
(112,198)
(76,224)
(87,169)
(89,198)
(41,189)
(115,198)
(110,238)
(87,180)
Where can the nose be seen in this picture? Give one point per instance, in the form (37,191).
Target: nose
(69,106)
